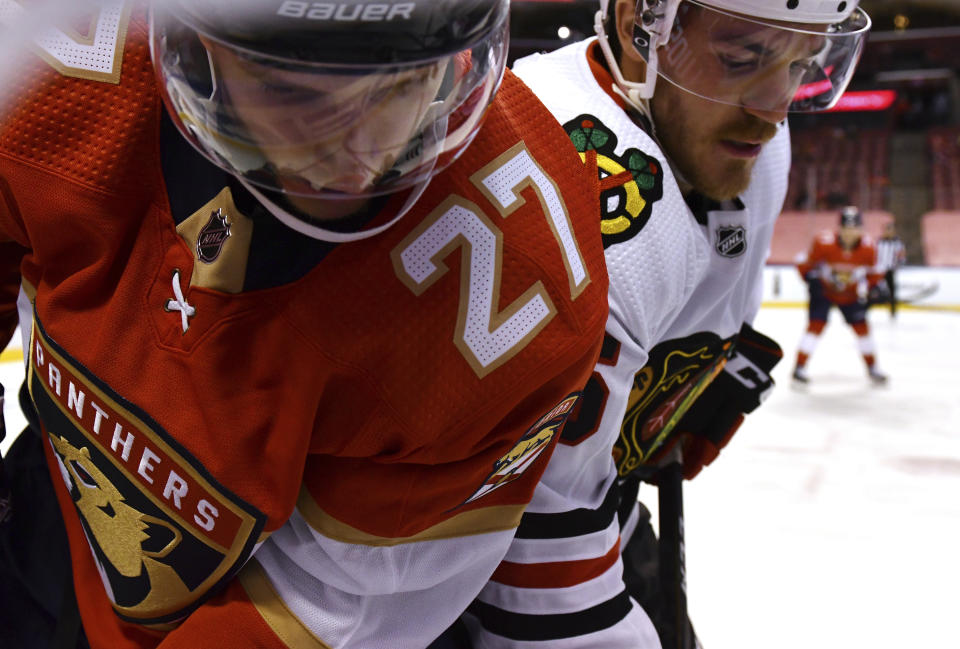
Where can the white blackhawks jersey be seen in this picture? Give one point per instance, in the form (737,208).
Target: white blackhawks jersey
(681,285)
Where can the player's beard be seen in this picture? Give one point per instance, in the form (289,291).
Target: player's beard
(692,144)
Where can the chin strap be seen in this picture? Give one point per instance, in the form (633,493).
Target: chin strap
(323,234)
(652,29)
(641,106)
(637,95)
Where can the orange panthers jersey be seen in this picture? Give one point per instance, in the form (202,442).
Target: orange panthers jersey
(846,275)
(263,440)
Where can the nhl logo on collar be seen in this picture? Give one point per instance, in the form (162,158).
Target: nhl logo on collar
(731,240)
(212,237)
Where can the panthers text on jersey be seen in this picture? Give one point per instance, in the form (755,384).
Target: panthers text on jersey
(260,439)
(683,280)
(846,275)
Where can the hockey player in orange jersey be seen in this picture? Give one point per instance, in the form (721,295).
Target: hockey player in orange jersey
(840,269)
(309,291)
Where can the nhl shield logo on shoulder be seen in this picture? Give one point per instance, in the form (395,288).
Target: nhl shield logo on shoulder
(212,237)
(731,240)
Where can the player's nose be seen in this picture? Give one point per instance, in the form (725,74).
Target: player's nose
(771,116)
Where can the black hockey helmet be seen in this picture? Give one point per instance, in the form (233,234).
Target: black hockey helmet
(330,100)
(348,32)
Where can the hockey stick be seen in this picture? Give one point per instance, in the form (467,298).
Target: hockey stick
(910,293)
(677,632)
(660,463)
(5,497)
(672,561)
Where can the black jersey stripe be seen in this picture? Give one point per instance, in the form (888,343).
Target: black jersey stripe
(532,628)
(576,522)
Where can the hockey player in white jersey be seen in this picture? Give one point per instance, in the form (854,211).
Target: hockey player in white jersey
(682,107)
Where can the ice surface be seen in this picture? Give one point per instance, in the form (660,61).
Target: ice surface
(11,375)
(833,517)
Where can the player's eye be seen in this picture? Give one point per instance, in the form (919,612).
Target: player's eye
(288,92)
(396,90)
(739,60)
(735,64)
(82,475)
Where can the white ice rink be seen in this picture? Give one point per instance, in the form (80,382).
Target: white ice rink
(833,518)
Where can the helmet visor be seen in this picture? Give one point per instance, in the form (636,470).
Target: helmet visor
(760,64)
(315,129)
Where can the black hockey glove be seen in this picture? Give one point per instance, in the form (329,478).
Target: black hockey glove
(742,386)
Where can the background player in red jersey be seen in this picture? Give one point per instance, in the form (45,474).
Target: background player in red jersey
(840,270)
(308,291)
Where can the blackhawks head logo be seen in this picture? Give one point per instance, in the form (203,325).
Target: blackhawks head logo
(630,183)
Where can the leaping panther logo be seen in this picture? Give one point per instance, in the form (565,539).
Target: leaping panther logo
(162,531)
(527,449)
(129,541)
(630,183)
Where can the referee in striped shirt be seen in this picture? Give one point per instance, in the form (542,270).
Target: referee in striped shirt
(890,255)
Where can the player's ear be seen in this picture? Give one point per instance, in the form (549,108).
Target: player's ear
(625,12)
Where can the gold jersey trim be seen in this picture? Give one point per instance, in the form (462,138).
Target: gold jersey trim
(274,611)
(477,521)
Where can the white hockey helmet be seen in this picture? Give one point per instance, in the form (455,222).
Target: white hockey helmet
(797,55)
